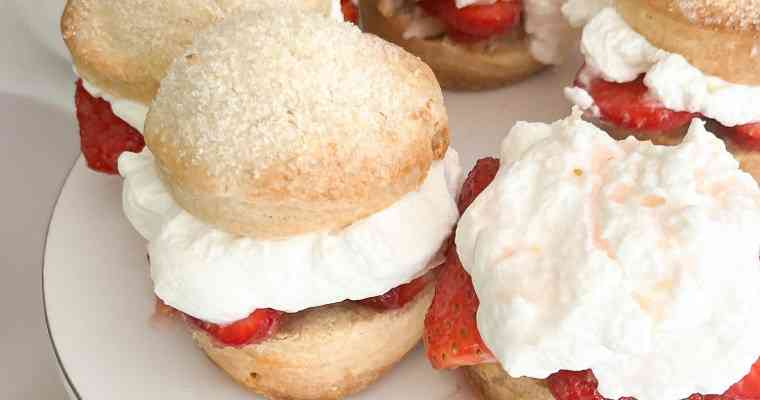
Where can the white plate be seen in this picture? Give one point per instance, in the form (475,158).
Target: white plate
(98,294)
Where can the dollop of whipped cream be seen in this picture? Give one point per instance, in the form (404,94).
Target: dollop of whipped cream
(637,261)
(336,11)
(579,12)
(132,112)
(617,53)
(221,278)
(549,34)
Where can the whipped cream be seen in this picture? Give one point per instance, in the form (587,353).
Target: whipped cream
(548,32)
(579,12)
(617,53)
(423,26)
(131,112)
(637,261)
(336,11)
(467,3)
(217,277)
(582,99)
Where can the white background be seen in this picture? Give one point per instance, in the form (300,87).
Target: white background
(38,144)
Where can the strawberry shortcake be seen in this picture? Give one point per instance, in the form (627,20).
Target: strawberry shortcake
(653,65)
(587,269)
(296,192)
(480,44)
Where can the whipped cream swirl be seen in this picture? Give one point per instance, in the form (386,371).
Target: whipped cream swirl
(221,278)
(637,261)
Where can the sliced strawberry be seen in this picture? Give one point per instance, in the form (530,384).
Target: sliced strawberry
(350,11)
(103,135)
(748,135)
(399,296)
(259,326)
(451,333)
(582,385)
(572,385)
(477,180)
(749,387)
(481,21)
(629,106)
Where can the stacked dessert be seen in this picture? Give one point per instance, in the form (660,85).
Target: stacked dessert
(587,268)
(653,65)
(296,191)
(479,44)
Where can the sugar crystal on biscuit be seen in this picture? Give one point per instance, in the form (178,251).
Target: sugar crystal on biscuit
(737,14)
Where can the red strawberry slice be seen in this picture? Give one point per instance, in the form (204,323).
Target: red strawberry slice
(263,323)
(749,387)
(572,385)
(629,106)
(451,334)
(103,135)
(481,21)
(350,11)
(748,135)
(582,385)
(477,180)
(259,326)
(399,296)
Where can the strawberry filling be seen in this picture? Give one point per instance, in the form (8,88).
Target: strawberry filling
(628,105)
(103,135)
(350,11)
(476,22)
(451,334)
(582,385)
(261,324)
(399,296)
(748,136)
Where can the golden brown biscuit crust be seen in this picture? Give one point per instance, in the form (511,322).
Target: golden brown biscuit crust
(731,14)
(125,46)
(274,125)
(456,67)
(328,352)
(728,50)
(492,383)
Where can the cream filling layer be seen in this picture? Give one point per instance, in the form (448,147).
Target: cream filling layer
(221,278)
(617,53)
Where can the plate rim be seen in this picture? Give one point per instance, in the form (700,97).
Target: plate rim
(67,379)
